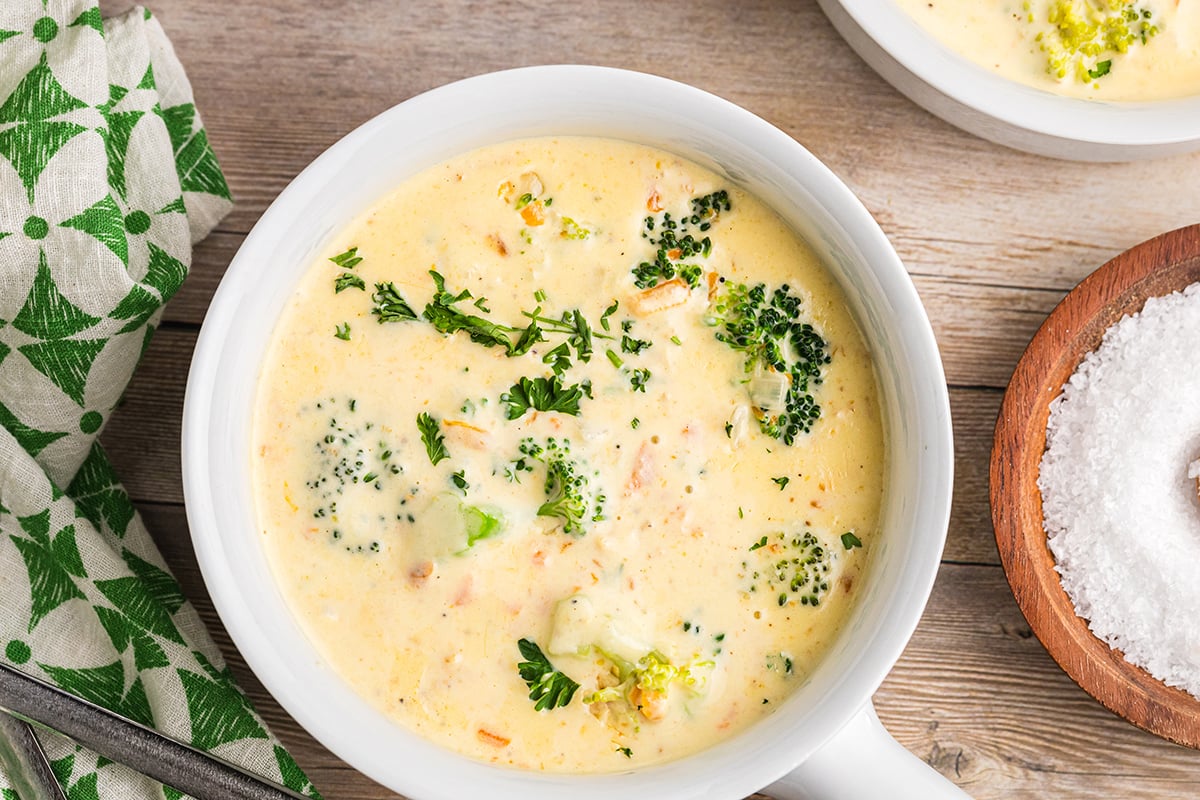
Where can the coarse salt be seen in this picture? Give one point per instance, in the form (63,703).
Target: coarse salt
(1119,496)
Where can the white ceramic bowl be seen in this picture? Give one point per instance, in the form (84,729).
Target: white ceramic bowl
(1004,111)
(825,722)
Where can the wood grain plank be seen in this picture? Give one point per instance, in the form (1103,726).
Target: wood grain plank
(999,716)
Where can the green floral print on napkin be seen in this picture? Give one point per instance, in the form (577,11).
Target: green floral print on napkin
(106,180)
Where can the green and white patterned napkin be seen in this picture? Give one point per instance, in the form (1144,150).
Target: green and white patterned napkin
(106,181)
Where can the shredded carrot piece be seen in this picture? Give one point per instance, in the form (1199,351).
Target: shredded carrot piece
(454,423)
(643,469)
(532,214)
(421,572)
(667,294)
(464,594)
(497,244)
(494,739)
(654,201)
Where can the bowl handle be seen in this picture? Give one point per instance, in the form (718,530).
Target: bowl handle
(863,762)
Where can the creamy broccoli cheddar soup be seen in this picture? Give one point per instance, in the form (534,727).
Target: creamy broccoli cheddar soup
(568,456)
(1098,49)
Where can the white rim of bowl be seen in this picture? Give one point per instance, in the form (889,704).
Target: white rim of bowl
(770,743)
(1129,124)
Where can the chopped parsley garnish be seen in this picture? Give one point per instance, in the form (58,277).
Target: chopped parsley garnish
(342,331)
(348,280)
(459,479)
(571,324)
(781,481)
(530,336)
(542,394)
(634,423)
(347,260)
(632,345)
(785,354)
(850,541)
(638,378)
(608,312)
(1101,69)
(431,435)
(559,359)
(625,751)
(548,688)
(390,306)
(443,314)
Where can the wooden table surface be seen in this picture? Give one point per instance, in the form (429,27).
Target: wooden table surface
(993,238)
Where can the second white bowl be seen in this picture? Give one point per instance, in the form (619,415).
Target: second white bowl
(1004,111)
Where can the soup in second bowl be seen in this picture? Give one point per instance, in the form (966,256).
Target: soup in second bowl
(1095,49)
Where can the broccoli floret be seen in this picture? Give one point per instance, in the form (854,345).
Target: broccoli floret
(644,686)
(570,495)
(1084,35)
(449,527)
(676,240)
(635,677)
(785,355)
(796,568)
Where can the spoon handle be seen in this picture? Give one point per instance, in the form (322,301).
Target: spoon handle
(143,749)
(25,762)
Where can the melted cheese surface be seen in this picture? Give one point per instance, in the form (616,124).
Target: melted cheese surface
(693,558)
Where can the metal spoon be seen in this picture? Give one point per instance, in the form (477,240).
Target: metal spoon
(180,766)
(25,762)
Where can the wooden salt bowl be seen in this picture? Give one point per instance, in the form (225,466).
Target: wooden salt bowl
(1156,267)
